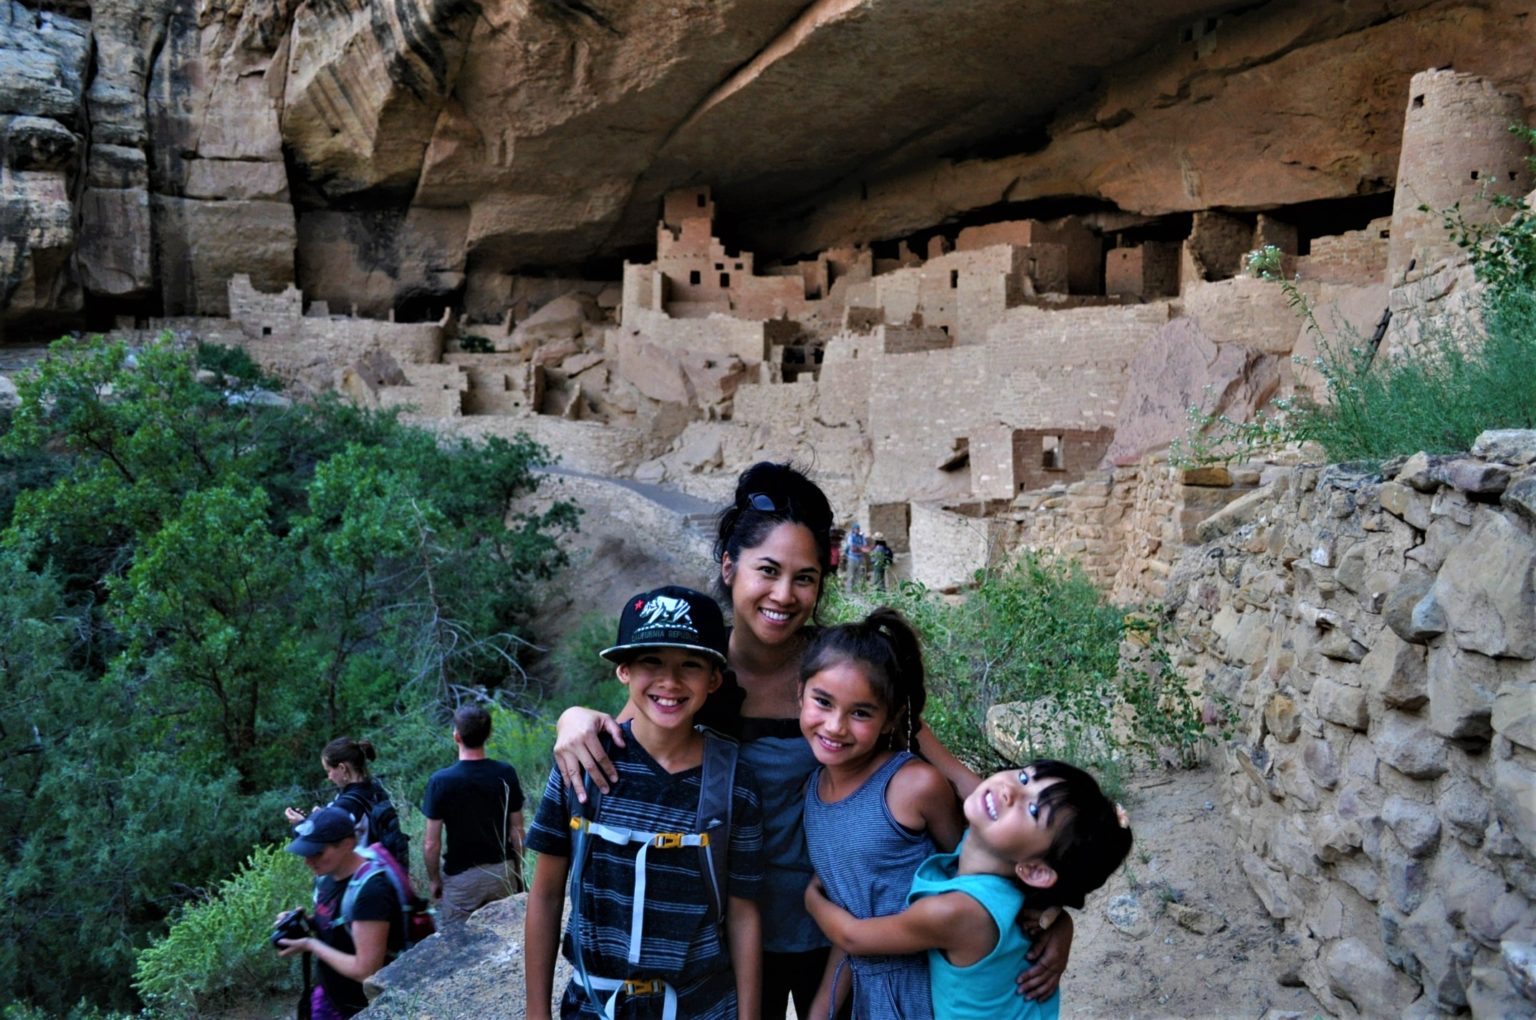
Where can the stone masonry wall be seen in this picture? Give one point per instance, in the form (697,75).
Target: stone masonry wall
(1375,643)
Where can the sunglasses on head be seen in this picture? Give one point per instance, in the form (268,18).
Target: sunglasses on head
(763,502)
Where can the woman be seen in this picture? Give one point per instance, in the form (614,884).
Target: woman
(362,796)
(774,547)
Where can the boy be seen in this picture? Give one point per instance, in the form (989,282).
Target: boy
(1047,826)
(645,935)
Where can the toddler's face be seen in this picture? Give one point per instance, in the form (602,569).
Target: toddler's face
(1006,814)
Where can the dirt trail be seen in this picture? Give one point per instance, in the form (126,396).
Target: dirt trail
(1133,959)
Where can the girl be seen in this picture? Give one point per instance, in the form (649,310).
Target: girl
(362,796)
(873,811)
(774,547)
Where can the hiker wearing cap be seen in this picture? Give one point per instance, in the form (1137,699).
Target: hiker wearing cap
(479,803)
(662,925)
(358,929)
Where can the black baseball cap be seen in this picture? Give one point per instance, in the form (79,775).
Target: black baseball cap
(670,617)
(321,829)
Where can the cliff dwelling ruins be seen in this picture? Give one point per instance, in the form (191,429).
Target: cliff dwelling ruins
(974,297)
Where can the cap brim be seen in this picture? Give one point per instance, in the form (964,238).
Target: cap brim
(304,846)
(618,654)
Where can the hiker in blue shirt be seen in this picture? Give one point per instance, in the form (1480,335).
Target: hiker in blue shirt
(646,935)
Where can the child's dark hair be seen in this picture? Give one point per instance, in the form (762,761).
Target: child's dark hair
(473,725)
(767,495)
(346,751)
(885,643)
(1091,838)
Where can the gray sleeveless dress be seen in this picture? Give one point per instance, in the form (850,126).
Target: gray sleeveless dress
(866,860)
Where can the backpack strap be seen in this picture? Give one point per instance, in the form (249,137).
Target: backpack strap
(716,788)
(373,863)
(581,850)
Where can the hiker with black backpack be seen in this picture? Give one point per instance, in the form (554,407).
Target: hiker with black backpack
(665,867)
(359,919)
(362,796)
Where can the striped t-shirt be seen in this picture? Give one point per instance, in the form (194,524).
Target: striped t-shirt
(681,945)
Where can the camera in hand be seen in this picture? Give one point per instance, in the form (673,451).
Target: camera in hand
(293,925)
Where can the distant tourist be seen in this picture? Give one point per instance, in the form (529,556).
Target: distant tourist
(345,762)
(774,546)
(856,555)
(355,931)
(479,802)
(661,924)
(881,556)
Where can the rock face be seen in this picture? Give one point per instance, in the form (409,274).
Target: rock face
(1383,699)
(410,154)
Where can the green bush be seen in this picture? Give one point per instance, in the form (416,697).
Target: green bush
(216,952)
(197,592)
(1037,632)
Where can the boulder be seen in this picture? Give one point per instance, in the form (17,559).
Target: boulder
(1487,589)
(1179,368)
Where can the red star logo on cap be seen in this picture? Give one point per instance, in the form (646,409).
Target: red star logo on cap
(639,604)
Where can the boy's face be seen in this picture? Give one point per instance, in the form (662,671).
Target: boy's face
(668,685)
(1005,813)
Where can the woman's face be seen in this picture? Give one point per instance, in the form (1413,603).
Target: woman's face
(774,584)
(340,775)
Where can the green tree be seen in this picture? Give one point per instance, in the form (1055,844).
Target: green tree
(199,589)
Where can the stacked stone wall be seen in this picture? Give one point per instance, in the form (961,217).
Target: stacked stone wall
(1375,644)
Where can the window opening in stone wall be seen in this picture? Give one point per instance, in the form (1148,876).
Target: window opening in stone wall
(700,198)
(1418,102)
(954,279)
(1051,454)
(725,279)
(1474,175)
(266,331)
(694,277)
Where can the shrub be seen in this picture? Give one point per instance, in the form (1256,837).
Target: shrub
(1037,632)
(216,952)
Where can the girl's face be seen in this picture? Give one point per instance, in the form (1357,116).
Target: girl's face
(842,716)
(774,584)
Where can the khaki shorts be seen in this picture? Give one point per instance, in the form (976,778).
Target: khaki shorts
(474,887)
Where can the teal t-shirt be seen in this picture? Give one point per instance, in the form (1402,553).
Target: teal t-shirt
(988,988)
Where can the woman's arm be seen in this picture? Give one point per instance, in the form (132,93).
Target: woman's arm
(369,938)
(744,932)
(1049,956)
(579,748)
(939,756)
(541,933)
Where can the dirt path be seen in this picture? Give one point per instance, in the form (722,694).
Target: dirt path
(1178,932)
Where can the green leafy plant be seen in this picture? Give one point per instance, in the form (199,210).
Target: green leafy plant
(198,592)
(1038,634)
(216,951)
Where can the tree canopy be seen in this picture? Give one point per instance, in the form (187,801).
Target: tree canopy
(199,586)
